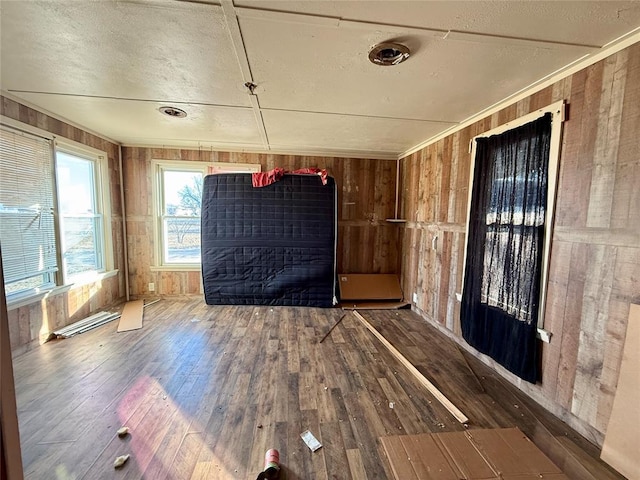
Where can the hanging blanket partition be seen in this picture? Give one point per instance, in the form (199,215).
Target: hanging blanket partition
(274,245)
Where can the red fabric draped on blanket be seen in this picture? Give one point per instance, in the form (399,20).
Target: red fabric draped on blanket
(262,179)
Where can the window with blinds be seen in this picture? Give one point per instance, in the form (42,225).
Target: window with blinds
(27,223)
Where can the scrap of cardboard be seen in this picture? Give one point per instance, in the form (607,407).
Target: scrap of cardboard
(620,447)
(370,291)
(131,318)
(489,454)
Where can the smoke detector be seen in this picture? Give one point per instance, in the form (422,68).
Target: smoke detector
(388,53)
(173,112)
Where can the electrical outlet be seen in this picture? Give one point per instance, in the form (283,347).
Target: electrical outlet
(415,298)
(152,287)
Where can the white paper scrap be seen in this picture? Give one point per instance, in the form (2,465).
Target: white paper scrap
(311,441)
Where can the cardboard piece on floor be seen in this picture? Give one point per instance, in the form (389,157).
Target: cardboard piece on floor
(509,451)
(620,447)
(370,291)
(377,286)
(504,453)
(131,318)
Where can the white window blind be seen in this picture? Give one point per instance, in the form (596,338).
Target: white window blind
(27,225)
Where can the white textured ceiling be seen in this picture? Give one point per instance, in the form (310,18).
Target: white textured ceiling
(109,65)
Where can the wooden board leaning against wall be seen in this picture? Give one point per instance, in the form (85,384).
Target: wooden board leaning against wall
(366,196)
(595,253)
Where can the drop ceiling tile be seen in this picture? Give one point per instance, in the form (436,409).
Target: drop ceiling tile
(287,130)
(324,68)
(136,122)
(579,22)
(165,51)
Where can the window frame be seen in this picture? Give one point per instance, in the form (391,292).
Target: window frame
(58,283)
(557,111)
(158,167)
(102,202)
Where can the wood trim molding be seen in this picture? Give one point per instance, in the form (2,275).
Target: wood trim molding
(11,462)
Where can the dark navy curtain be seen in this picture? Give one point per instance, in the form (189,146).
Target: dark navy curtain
(500,302)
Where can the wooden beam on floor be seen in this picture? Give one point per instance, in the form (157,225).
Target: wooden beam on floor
(446,403)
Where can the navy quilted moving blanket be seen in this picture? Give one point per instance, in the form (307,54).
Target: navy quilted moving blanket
(274,245)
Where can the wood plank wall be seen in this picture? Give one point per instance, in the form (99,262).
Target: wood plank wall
(28,324)
(595,258)
(366,195)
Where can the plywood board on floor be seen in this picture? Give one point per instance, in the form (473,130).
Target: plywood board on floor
(620,448)
(131,318)
(486,454)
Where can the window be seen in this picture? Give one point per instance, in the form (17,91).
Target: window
(181,198)
(82,222)
(508,240)
(27,228)
(53,212)
(178,198)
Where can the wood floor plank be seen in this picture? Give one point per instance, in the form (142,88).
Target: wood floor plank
(207,390)
(336,457)
(356,467)
(184,462)
(399,401)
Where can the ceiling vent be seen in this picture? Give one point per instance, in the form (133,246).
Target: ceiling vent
(173,112)
(388,54)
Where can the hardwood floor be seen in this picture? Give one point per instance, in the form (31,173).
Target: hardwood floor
(207,390)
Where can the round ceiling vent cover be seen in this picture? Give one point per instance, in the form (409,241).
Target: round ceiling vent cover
(388,53)
(173,112)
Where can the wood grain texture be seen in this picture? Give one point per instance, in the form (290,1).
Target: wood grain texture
(595,251)
(30,325)
(206,390)
(594,317)
(366,197)
(455,411)
(607,140)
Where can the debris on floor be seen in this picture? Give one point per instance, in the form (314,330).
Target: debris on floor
(84,325)
(120,461)
(311,441)
(123,432)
